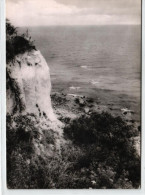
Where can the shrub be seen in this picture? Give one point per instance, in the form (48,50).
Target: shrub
(100,163)
(106,141)
(16,44)
(20,132)
(98,128)
(10,29)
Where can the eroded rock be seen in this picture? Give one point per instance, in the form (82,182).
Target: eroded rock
(29,86)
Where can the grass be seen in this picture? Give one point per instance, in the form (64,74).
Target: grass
(98,154)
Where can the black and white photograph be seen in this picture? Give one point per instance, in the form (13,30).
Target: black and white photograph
(73,94)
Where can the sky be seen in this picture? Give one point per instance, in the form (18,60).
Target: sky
(73,12)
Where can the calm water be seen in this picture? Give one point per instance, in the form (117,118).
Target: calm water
(104,57)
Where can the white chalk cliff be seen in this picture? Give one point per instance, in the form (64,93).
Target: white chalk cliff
(29,86)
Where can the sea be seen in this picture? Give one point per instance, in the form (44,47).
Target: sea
(85,58)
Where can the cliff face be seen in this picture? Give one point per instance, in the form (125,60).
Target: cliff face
(29,86)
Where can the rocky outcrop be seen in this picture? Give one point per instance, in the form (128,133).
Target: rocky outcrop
(29,86)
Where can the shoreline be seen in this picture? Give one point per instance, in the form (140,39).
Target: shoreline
(68,107)
(114,100)
(105,101)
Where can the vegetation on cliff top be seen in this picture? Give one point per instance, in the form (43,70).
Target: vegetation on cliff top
(15,43)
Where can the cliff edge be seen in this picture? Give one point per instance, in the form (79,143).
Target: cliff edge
(29,86)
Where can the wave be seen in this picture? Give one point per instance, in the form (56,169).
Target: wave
(74,88)
(94,82)
(87,67)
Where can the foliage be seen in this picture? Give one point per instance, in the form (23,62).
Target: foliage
(108,161)
(107,142)
(23,134)
(10,29)
(16,44)
(20,130)
(99,128)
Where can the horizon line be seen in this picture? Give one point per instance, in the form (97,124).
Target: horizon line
(54,25)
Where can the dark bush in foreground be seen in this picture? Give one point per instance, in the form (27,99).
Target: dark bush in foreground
(99,128)
(24,163)
(106,160)
(106,141)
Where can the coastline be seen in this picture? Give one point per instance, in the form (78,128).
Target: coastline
(69,106)
(115,101)
(80,135)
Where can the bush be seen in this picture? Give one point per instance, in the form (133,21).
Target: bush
(98,128)
(106,142)
(10,29)
(16,44)
(22,134)
(107,160)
